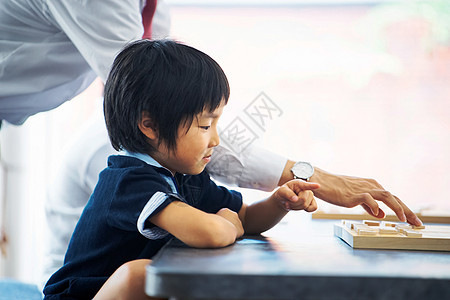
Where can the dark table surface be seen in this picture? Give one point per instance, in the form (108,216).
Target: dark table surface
(299,258)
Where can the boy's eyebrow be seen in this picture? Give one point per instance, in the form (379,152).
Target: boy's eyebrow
(210,115)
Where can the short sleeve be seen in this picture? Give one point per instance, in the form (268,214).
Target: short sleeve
(157,202)
(136,194)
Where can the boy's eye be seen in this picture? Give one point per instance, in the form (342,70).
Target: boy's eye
(205,127)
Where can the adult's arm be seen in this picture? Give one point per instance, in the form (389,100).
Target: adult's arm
(258,168)
(349,191)
(255,168)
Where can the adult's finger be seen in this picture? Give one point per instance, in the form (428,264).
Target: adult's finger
(367,199)
(381,213)
(388,199)
(411,217)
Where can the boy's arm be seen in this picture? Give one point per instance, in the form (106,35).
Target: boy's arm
(263,215)
(197,228)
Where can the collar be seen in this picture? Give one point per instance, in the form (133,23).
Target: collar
(144,157)
(151,161)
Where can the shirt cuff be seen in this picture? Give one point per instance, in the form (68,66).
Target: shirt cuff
(154,204)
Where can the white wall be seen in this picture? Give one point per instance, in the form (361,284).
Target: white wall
(25,173)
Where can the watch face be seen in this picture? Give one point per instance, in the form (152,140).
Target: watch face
(303,170)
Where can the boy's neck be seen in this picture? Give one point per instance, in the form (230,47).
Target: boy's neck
(147,158)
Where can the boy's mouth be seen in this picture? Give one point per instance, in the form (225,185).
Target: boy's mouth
(207,158)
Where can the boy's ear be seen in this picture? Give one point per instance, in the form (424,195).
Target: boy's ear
(147,127)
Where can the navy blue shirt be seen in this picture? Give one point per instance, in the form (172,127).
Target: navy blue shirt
(114,228)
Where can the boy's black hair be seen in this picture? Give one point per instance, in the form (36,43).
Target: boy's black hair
(171,81)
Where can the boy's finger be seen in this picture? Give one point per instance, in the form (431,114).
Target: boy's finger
(312,206)
(309,201)
(298,185)
(287,194)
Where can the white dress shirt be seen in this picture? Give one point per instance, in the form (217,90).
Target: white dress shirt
(51,50)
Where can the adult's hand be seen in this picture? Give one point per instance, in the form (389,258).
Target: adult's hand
(350,191)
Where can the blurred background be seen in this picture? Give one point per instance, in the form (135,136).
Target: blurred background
(363,88)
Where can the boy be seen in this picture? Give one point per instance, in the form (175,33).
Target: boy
(162,104)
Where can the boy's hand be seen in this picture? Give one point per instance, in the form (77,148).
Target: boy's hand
(233,218)
(297,195)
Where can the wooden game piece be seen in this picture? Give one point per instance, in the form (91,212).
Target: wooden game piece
(350,224)
(360,226)
(401,230)
(367,232)
(364,229)
(403,226)
(413,233)
(355,225)
(418,226)
(371,223)
(389,224)
(387,230)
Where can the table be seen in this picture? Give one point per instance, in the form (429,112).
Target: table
(300,258)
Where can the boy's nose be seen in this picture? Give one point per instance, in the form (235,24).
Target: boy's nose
(215,140)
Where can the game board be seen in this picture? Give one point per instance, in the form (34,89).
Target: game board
(338,213)
(370,234)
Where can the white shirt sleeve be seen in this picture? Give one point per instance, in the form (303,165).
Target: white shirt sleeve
(254,168)
(155,232)
(99,29)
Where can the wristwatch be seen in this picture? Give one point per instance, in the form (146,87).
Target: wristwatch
(302,170)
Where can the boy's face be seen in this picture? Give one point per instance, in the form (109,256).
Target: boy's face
(194,147)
